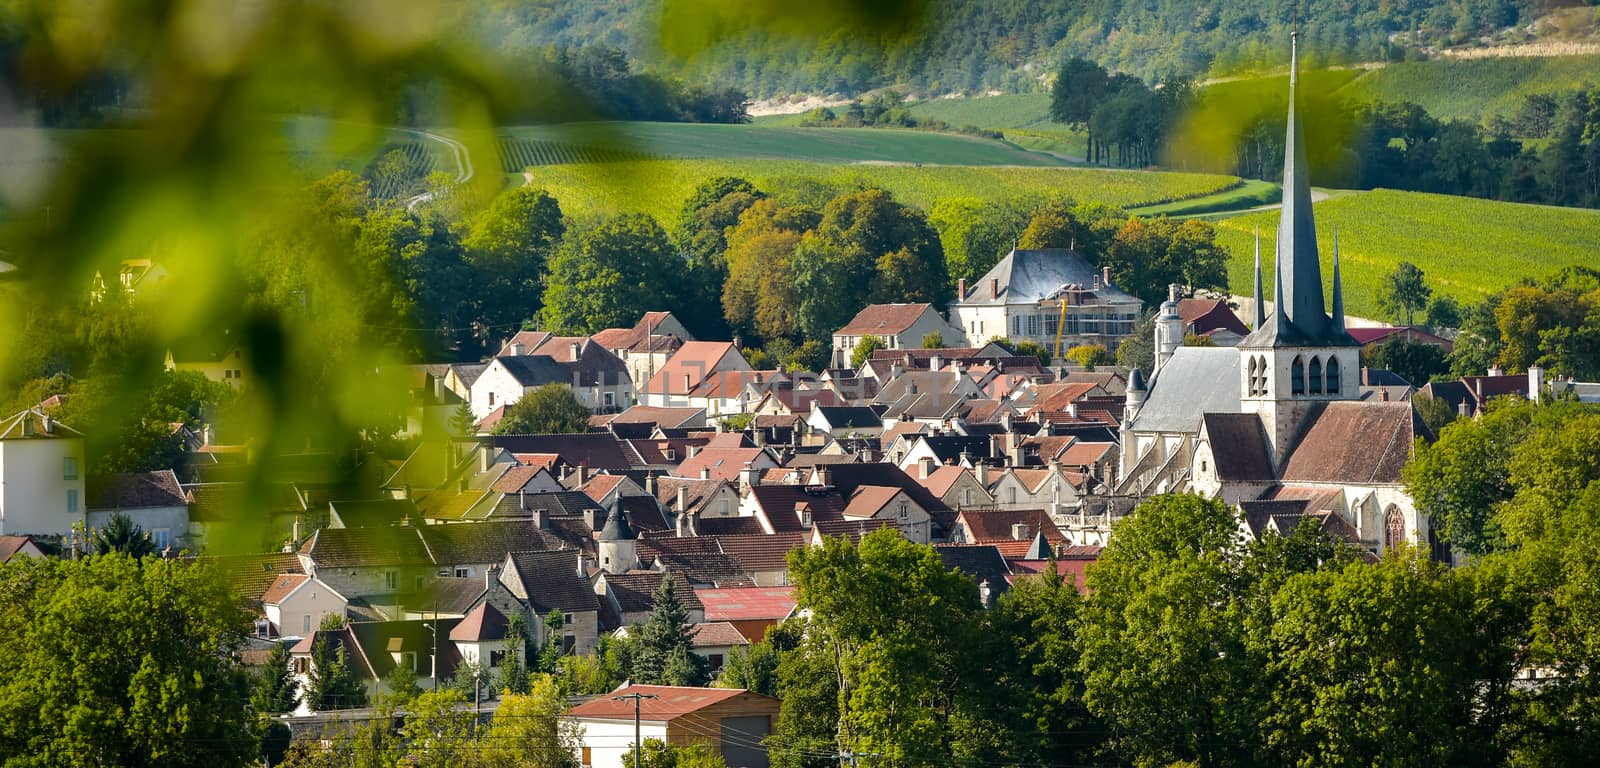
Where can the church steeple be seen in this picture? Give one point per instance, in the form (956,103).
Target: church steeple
(1338,288)
(1261,309)
(1297,230)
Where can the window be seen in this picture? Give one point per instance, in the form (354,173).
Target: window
(491,399)
(1394,528)
(1297,377)
(1016,325)
(568,643)
(305,623)
(72,501)
(496,658)
(1052,324)
(716,660)
(1316,375)
(69,468)
(610,399)
(1333,376)
(462,573)
(1032,327)
(161,537)
(302,665)
(966,497)
(1011,495)
(586,761)
(905,509)
(391,579)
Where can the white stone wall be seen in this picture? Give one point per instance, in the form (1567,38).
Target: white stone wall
(35,495)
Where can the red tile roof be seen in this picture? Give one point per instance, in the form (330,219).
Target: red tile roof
(867,500)
(993,526)
(484,623)
(746,603)
(940,481)
(283,586)
(685,370)
(1356,442)
(884,319)
(670,702)
(721,463)
(1206,315)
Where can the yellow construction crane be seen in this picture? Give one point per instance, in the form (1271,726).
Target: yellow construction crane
(1065,300)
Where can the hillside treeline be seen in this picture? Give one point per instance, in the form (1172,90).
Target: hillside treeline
(971,46)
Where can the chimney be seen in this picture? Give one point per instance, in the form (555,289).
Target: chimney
(574,350)
(295,535)
(994,287)
(1383,394)
(517,349)
(824,476)
(1496,370)
(895,371)
(583,472)
(49,424)
(650,483)
(961,290)
(485,458)
(1019,531)
(1535,383)
(490,576)
(749,477)
(935,363)
(1072,410)
(207,434)
(926,467)
(1105,275)
(540,518)
(981,472)
(682,523)
(1462,410)
(583,571)
(705,473)
(683,499)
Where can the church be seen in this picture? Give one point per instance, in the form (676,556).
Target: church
(1276,426)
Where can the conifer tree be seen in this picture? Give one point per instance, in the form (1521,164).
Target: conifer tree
(663,646)
(275,689)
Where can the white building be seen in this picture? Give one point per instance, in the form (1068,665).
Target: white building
(41,475)
(732,721)
(1040,295)
(897,325)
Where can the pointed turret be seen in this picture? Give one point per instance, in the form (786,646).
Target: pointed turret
(1261,308)
(619,545)
(1297,230)
(1338,287)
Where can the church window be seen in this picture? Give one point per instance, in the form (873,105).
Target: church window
(1297,377)
(1333,375)
(1394,528)
(1316,375)
(1251,390)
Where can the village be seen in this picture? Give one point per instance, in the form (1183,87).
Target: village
(660,561)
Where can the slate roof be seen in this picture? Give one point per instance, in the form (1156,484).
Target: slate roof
(534,370)
(948,448)
(635,591)
(1195,380)
(378,639)
(850,416)
(372,513)
(1026,276)
(698,557)
(1239,447)
(884,319)
(980,561)
(136,490)
(448,594)
(599,450)
(728,526)
(1360,442)
(781,502)
(484,542)
(355,547)
(552,581)
(666,417)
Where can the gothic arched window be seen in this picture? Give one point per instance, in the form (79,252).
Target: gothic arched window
(1333,376)
(1261,370)
(1394,528)
(1297,377)
(1254,379)
(1316,375)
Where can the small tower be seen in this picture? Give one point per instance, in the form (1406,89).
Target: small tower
(1135,396)
(619,545)
(1169,330)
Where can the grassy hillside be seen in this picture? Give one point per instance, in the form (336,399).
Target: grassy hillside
(1466,247)
(1012,110)
(659,187)
(1475,88)
(826,145)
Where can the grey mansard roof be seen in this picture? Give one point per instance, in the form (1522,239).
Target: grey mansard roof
(1197,380)
(1030,275)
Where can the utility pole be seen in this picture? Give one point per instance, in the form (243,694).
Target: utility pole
(854,758)
(637,697)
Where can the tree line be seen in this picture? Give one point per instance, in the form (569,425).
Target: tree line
(963,46)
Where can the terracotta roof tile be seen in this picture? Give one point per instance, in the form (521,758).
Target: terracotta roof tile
(884,319)
(669,702)
(746,603)
(1356,442)
(716,634)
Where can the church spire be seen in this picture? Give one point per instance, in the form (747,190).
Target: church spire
(1298,268)
(1261,309)
(1338,288)
(1279,318)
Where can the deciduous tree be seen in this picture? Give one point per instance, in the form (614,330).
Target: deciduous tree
(609,275)
(550,409)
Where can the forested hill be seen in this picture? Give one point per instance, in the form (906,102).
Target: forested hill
(976,45)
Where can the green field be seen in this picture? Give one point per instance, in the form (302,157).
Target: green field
(1467,247)
(824,145)
(1475,88)
(1248,193)
(659,187)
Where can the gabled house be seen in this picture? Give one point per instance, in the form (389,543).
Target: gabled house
(152,500)
(733,721)
(19,546)
(843,421)
(647,346)
(629,597)
(725,458)
(597,378)
(297,604)
(897,325)
(1017,533)
(751,610)
(673,383)
(41,475)
(556,581)
(218,357)
(1213,319)
(1045,296)
(957,486)
(877,502)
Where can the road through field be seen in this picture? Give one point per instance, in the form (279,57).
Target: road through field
(458,151)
